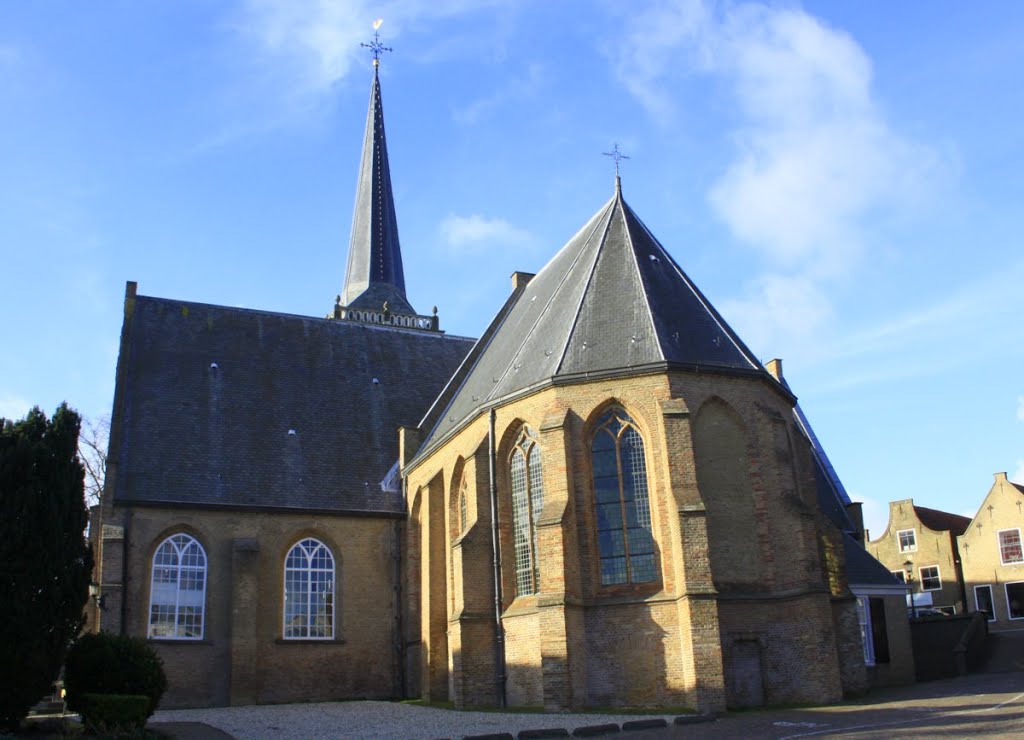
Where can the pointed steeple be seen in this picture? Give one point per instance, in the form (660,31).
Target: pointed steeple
(374,275)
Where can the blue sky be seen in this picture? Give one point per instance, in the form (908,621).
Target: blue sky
(843,180)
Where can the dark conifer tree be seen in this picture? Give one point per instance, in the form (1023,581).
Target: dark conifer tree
(45,562)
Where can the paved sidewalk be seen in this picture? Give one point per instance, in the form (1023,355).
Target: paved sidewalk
(988,705)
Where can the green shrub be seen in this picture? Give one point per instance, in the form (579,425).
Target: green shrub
(113,664)
(114,713)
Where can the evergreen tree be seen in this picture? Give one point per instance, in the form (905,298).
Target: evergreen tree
(45,562)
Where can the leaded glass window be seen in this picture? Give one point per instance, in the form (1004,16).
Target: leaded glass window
(309,591)
(527,504)
(463,514)
(623,508)
(177,596)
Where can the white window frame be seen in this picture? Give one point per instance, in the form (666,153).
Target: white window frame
(901,575)
(186,541)
(938,575)
(866,633)
(309,568)
(991,599)
(899,540)
(1006,592)
(1020,545)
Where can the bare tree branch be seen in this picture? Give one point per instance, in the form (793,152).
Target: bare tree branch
(93,442)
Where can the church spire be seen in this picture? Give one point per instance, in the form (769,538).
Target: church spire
(374,275)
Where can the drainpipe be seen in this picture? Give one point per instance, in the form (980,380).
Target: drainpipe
(399,644)
(499,632)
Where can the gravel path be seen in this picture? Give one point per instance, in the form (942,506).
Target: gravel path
(376,719)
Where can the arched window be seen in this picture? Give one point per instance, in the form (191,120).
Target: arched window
(527,504)
(177,595)
(623,507)
(309,591)
(463,512)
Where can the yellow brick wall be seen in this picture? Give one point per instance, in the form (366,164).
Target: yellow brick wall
(577,643)
(1002,509)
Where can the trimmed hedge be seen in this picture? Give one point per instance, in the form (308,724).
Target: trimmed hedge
(104,663)
(114,713)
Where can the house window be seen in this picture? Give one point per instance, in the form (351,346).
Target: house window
(624,536)
(1009,547)
(177,594)
(309,591)
(527,504)
(873,632)
(866,638)
(983,601)
(908,540)
(899,575)
(1015,599)
(930,580)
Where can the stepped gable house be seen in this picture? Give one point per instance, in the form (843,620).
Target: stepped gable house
(606,500)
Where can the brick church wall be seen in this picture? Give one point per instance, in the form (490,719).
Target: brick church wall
(242,658)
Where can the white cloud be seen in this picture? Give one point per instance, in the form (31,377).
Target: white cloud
(476,232)
(1020,408)
(876,515)
(778,311)
(1018,474)
(13,407)
(813,154)
(320,40)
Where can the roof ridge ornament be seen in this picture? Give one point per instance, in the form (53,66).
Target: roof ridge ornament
(375,46)
(617,156)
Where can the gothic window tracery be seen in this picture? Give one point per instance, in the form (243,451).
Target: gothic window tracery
(527,504)
(309,591)
(177,598)
(623,509)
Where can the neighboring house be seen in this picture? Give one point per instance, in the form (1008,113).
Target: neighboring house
(919,547)
(993,558)
(668,530)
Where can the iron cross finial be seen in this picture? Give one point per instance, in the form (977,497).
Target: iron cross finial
(375,46)
(616,155)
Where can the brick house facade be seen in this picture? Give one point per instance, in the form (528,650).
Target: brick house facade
(993,561)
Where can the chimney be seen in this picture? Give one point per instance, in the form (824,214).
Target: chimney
(1000,477)
(774,368)
(521,279)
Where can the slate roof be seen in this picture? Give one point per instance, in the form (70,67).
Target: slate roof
(942,521)
(611,301)
(374,273)
(863,570)
(209,396)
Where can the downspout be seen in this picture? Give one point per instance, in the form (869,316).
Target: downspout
(499,632)
(399,646)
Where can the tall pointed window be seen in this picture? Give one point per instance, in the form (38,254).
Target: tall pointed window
(624,536)
(527,504)
(463,506)
(177,596)
(309,592)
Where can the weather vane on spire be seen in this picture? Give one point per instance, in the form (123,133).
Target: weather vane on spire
(617,156)
(375,46)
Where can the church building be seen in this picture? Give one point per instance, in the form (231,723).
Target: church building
(606,500)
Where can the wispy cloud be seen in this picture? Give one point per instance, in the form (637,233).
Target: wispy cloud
(1020,408)
(476,233)
(515,89)
(813,158)
(1018,474)
(318,42)
(13,407)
